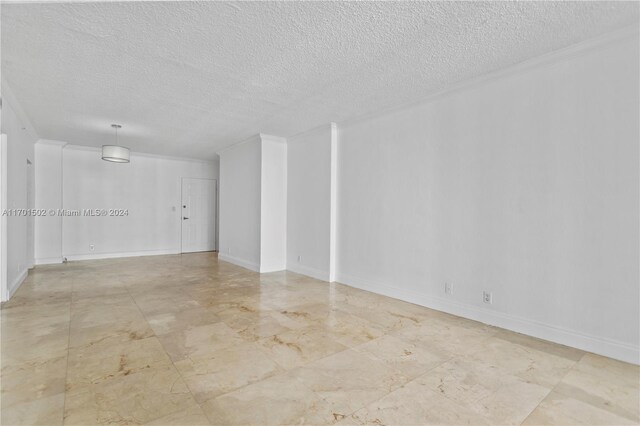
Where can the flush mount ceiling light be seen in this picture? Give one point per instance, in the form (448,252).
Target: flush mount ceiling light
(115,153)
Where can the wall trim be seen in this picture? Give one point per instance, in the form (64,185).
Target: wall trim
(238,261)
(51,142)
(590,343)
(265,269)
(122,254)
(548,59)
(272,138)
(254,138)
(328,127)
(15,285)
(133,153)
(308,271)
(48,260)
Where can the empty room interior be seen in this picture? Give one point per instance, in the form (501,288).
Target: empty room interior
(320,213)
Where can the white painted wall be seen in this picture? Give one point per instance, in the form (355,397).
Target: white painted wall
(20,142)
(4,287)
(309,202)
(48,228)
(149,188)
(526,185)
(273,201)
(240,210)
(253,203)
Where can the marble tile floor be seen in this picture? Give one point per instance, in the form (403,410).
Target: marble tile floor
(187,340)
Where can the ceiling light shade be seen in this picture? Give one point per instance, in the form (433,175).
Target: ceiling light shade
(115,153)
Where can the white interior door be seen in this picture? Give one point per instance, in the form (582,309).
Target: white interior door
(198,215)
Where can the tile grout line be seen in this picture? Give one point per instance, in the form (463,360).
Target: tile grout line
(399,387)
(170,359)
(347,348)
(369,355)
(554,387)
(576,361)
(286,371)
(450,359)
(66,373)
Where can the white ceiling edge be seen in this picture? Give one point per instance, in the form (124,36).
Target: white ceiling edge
(255,138)
(6,95)
(547,59)
(75,147)
(51,142)
(578,49)
(541,60)
(273,138)
(87,1)
(321,128)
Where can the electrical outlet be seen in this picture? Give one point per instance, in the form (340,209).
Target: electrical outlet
(91,247)
(299,258)
(487,297)
(448,288)
(229,250)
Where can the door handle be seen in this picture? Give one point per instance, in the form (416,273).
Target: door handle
(184,218)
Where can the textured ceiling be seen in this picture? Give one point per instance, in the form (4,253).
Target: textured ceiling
(188,78)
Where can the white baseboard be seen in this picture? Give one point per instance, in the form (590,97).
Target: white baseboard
(15,285)
(48,260)
(598,345)
(308,271)
(240,262)
(265,269)
(117,255)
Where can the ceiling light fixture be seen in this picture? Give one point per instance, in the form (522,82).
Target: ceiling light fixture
(115,153)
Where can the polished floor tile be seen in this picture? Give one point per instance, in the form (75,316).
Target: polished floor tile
(412,359)
(557,409)
(137,398)
(606,384)
(226,369)
(112,358)
(496,395)
(414,404)
(187,340)
(199,342)
(349,379)
(294,348)
(278,400)
(44,411)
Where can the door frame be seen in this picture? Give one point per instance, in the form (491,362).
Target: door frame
(180,216)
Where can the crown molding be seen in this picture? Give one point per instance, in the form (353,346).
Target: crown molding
(328,127)
(51,142)
(254,138)
(272,138)
(173,158)
(581,48)
(138,154)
